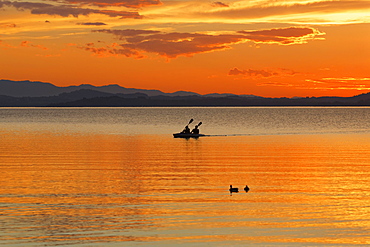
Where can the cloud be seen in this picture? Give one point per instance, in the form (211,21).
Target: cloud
(279,8)
(283,32)
(49,55)
(24,5)
(67,10)
(343,83)
(219,4)
(125,3)
(110,50)
(252,73)
(7,25)
(264,73)
(121,14)
(63,11)
(29,44)
(172,45)
(92,24)
(283,36)
(347,79)
(122,34)
(6,45)
(275,84)
(22,44)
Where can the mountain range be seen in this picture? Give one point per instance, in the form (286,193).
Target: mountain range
(31,94)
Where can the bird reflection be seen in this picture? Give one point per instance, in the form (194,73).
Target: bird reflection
(246,188)
(233,189)
(236,190)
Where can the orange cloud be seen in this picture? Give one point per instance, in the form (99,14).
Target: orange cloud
(7,25)
(23,44)
(277,8)
(110,50)
(49,55)
(275,84)
(122,34)
(344,83)
(283,36)
(125,3)
(172,45)
(121,14)
(5,45)
(28,44)
(253,73)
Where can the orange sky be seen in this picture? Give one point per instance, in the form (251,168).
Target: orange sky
(266,48)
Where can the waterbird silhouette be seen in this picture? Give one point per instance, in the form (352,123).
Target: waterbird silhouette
(246,188)
(233,189)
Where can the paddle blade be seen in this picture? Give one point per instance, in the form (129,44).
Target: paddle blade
(199,124)
(191,120)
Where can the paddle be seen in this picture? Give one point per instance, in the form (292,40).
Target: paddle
(191,120)
(199,124)
(186,129)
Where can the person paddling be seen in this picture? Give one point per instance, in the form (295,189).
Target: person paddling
(186,129)
(196,129)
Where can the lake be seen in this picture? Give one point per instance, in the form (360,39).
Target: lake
(117,177)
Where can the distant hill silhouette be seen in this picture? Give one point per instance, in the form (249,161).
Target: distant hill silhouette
(42,89)
(27,94)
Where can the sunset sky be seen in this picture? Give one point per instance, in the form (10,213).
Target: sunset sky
(279,48)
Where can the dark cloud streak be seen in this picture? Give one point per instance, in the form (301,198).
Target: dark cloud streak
(219,4)
(122,34)
(125,3)
(92,24)
(262,73)
(66,10)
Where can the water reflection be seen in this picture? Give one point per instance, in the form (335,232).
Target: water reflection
(74,189)
(165,120)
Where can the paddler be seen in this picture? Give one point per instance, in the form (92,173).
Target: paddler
(186,130)
(195,130)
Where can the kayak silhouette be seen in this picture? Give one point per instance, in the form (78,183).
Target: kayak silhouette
(186,133)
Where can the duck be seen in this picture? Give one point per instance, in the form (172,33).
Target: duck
(246,188)
(233,189)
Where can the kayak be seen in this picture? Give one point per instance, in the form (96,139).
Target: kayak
(184,135)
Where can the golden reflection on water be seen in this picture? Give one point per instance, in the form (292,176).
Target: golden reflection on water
(87,188)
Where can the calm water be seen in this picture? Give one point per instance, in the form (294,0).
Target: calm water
(117,177)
